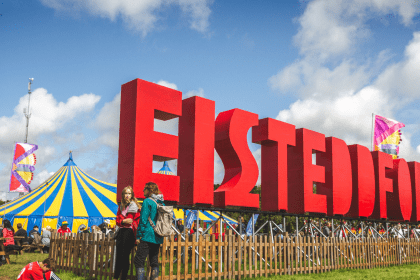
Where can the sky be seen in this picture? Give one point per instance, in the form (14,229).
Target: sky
(322,65)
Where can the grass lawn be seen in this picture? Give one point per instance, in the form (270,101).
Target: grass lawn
(408,271)
(12,270)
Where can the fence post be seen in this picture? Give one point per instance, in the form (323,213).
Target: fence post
(399,251)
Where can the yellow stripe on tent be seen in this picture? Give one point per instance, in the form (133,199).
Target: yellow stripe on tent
(23,221)
(34,193)
(179,214)
(102,208)
(28,211)
(79,208)
(112,223)
(77,223)
(52,222)
(229,219)
(106,183)
(54,208)
(107,193)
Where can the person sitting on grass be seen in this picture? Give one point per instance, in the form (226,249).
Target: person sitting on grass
(8,235)
(39,271)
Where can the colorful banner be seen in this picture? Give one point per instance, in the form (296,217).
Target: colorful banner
(387,136)
(192,216)
(249,226)
(23,166)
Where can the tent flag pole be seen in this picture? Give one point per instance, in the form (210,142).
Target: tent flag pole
(371,133)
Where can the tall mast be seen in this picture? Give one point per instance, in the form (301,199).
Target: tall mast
(28,113)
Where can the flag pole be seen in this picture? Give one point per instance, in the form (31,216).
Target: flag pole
(371,132)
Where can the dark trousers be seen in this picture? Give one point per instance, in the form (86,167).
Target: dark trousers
(145,249)
(125,243)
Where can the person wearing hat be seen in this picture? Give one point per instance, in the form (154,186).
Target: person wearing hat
(64,229)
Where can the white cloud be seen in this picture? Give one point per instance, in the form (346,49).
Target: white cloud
(330,28)
(199,92)
(141,16)
(337,95)
(309,79)
(49,124)
(348,116)
(402,79)
(167,84)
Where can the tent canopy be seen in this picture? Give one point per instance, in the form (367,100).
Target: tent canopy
(204,215)
(69,195)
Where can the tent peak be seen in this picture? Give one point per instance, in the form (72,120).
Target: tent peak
(70,160)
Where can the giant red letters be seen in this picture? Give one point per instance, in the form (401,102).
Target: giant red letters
(302,173)
(415,189)
(241,169)
(141,102)
(196,151)
(399,201)
(350,180)
(383,184)
(338,177)
(274,137)
(363,174)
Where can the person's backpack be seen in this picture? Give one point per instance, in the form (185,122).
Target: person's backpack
(164,220)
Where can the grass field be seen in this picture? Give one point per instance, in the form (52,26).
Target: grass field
(408,271)
(12,270)
(411,271)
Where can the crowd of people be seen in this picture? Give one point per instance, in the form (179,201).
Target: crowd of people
(34,237)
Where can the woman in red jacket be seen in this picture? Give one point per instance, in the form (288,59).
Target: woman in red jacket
(128,220)
(8,234)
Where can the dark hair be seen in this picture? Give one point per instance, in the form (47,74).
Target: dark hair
(19,225)
(8,225)
(35,226)
(152,188)
(50,263)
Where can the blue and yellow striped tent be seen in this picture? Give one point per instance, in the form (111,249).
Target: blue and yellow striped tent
(165,169)
(72,195)
(204,216)
(69,195)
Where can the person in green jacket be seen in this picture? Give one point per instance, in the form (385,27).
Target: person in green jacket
(148,242)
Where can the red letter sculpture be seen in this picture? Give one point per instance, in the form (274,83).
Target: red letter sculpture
(302,173)
(141,103)
(241,169)
(381,161)
(415,189)
(399,202)
(363,174)
(196,151)
(274,136)
(338,179)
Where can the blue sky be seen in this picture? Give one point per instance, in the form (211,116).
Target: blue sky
(318,64)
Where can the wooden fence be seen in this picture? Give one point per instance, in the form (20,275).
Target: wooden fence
(234,257)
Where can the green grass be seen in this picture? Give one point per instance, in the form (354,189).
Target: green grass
(12,270)
(408,271)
